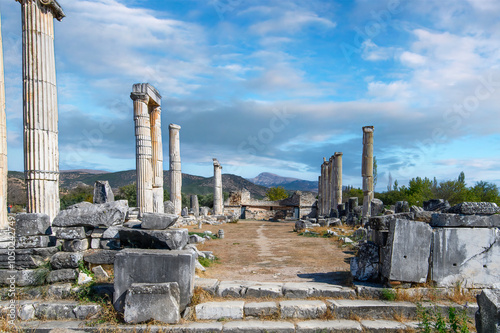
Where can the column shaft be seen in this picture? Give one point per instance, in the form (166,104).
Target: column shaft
(157,160)
(175,168)
(337,179)
(41,160)
(367,169)
(320,196)
(218,196)
(3,143)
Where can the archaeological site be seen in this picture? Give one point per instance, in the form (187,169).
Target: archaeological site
(335,259)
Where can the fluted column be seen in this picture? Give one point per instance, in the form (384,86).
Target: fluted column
(143,152)
(330,186)
(218,196)
(320,196)
(41,150)
(157,160)
(367,169)
(3,143)
(337,180)
(175,168)
(323,187)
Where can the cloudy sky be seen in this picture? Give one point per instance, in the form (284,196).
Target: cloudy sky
(276,85)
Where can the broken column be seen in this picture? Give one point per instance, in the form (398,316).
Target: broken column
(103,192)
(320,194)
(3,144)
(157,162)
(367,169)
(175,168)
(218,196)
(41,151)
(337,180)
(195,206)
(329,187)
(324,178)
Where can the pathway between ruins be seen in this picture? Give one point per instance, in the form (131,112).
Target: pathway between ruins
(271,251)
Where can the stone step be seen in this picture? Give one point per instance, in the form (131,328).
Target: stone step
(50,310)
(296,290)
(239,326)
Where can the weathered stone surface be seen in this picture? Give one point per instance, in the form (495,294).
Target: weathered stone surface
(89,215)
(472,208)
(26,312)
(488,315)
(204,211)
(70,232)
(232,288)
(169,207)
(219,310)
(467,221)
(344,309)
(153,266)
(83,278)
(62,275)
(26,258)
(159,301)
(158,221)
(423,216)
(315,326)
(264,289)
(100,257)
(31,277)
(436,205)
(112,232)
(195,206)
(383,222)
(110,244)
(365,266)
(402,207)
(60,291)
(185,211)
(170,239)
(86,311)
(100,273)
(467,256)
(32,224)
(75,245)
(62,260)
(360,234)
(377,207)
(55,311)
(382,326)
(208,285)
(29,242)
(252,326)
(103,192)
(195,239)
(302,309)
(315,289)
(260,309)
(406,256)
(301,225)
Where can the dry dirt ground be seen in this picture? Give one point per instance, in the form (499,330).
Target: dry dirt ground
(272,251)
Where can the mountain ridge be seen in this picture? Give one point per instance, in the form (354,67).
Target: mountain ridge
(268,179)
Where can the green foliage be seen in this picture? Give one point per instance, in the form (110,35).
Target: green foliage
(388,294)
(84,269)
(206,200)
(276,193)
(166,195)
(129,193)
(205,262)
(431,320)
(353,192)
(201,234)
(375,172)
(79,194)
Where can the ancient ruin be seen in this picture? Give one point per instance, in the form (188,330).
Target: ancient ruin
(41,150)
(3,143)
(218,195)
(175,168)
(149,148)
(367,170)
(330,186)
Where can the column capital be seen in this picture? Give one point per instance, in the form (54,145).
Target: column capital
(368,129)
(216,163)
(138,96)
(174,127)
(338,154)
(54,6)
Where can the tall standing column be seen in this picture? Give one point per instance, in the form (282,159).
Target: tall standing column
(175,168)
(320,195)
(218,198)
(367,169)
(157,160)
(143,152)
(337,180)
(3,143)
(41,150)
(330,185)
(327,188)
(323,187)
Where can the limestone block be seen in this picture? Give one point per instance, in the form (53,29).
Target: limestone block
(302,309)
(159,301)
(219,310)
(55,311)
(488,315)
(377,207)
(89,215)
(111,232)
(158,221)
(345,308)
(26,258)
(472,208)
(110,244)
(365,266)
(100,273)
(32,224)
(170,239)
(402,207)
(26,312)
(70,233)
(153,266)
(470,256)
(95,243)
(28,242)
(62,275)
(383,222)
(208,285)
(195,239)
(231,288)
(31,277)
(100,257)
(468,221)
(314,326)
(264,290)
(87,311)
(382,326)
(103,192)
(436,205)
(169,207)
(260,309)
(62,260)
(83,279)
(248,326)
(75,245)
(60,291)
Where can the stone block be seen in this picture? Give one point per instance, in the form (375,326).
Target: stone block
(231,288)
(169,207)
(346,308)
(382,326)
(112,232)
(407,252)
(469,256)
(95,243)
(62,275)
(110,244)
(158,221)
(98,232)
(100,273)
(260,309)
(69,233)
(315,289)
(100,257)
(251,326)
(60,291)
(55,311)
(75,245)
(32,224)
(436,205)
(208,285)
(220,310)
(26,258)
(383,222)
(467,221)
(195,239)
(26,312)
(87,311)
(365,266)
(153,266)
(170,239)
(402,207)
(62,260)
(377,207)
(89,215)
(103,192)
(83,278)
(473,208)
(423,216)
(28,242)
(263,289)
(31,277)
(158,301)
(302,309)
(488,315)
(378,237)
(315,326)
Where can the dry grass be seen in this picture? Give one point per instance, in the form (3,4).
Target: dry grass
(201,296)
(6,326)
(461,296)
(355,317)
(328,315)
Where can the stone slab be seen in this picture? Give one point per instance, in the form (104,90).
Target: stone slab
(62,275)
(75,245)
(314,326)
(170,239)
(103,192)
(383,326)
(209,285)
(254,326)
(220,310)
(62,260)
(488,315)
(465,221)
(158,221)
(90,215)
(472,208)
(153,266)
(265,289)
(70,232)
(260,309)
(302,309)
(383,222)
(316,289)
(232,288)
(366,265)
(26,258)
(344,309)
(32,224)
(100,257)
(29,242)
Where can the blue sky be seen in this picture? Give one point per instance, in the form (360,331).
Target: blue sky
(276,85)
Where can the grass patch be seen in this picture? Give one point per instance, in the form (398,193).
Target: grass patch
(388,294)
(205,262)
(202,234)
(431,320)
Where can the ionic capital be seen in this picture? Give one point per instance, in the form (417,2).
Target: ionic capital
(53,5)
(138,96)
(174,127)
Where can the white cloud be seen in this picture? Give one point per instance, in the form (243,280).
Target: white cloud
(398,90)
(373,52)
(412,59)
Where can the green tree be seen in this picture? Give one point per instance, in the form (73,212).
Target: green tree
(375,172)
(484,191)
(276,193)
(129,193)
(79,194)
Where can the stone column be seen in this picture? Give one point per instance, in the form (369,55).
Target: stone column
(41,150)
(327,188)
(320,195)
(175,168)
(323,187)
(143,152)
(195,206)
(331,174)
(367,169)
(337,180)
(157,159)
(218,196)
(3,144)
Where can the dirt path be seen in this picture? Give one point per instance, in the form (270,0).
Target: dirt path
(271,251)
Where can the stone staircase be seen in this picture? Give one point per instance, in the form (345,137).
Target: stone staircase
(246,306)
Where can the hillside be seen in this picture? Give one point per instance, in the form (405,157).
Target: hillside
(292,184)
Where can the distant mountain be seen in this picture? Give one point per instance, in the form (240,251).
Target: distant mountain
(292,184)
